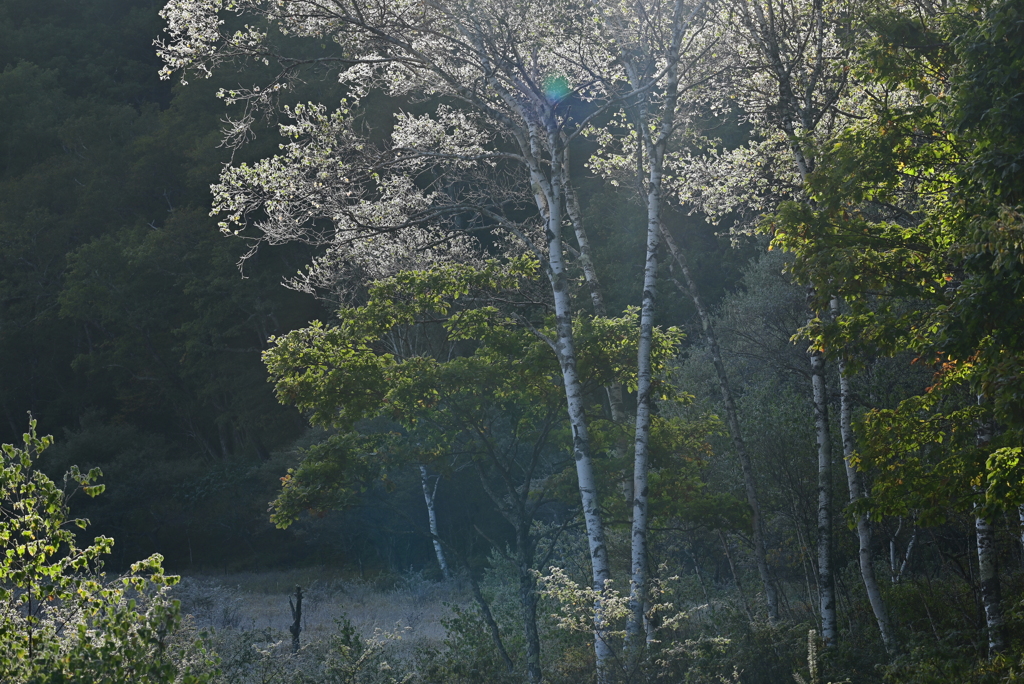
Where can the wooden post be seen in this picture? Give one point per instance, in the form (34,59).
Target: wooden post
(296,627)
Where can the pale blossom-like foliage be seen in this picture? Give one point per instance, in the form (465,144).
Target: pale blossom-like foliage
(644,40)
(337,274)
(791,83)
(498,55)
(331,187)
(452,135)
(196,31)
(743,182)
(449,169)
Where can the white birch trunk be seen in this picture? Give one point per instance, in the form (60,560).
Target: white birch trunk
(906,557)
(586,257)
(866,560)
(641,452)
(988,566)
(892,551)
(653,132)
(826,581)
(428,497)
(565,350)
(800,97)
(547,176)
(796,113)
(988,576)
(856,489)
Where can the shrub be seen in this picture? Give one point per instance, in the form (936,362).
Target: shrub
(265,657)
(62,621)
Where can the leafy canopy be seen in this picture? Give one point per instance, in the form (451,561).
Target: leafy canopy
(490,369)
(914,221)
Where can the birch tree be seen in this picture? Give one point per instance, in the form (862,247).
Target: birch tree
(664,53)
(915,212)
(429,494)
(791,85)
(506,66)
(855,486)
(801,82)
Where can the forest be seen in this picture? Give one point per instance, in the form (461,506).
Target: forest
(659,341)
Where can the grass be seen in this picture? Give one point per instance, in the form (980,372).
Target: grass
(409,604)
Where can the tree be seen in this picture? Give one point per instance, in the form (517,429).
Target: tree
(663,56)
(794,88)
(496,410)
(59,619)
(511,69)
(911,209)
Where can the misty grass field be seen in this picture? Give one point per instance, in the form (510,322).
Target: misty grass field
(244,618)
(409,604)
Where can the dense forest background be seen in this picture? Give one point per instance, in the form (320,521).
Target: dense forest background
(134,331)
(127,330)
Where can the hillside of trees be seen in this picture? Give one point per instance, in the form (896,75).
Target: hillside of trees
(687,334)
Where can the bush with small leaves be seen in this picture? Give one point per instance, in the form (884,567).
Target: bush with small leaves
(265,656)
(62,621)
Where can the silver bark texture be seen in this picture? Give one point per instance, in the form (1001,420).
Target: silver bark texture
(655,123)
(988,559)
(826,581)
(551,204)
(856,489)
(428,498)
(641,450)
(988,578)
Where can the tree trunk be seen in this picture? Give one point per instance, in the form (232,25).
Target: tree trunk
(826,581)
(867,568)
(793,113)
(616,405)
(654,129)
(428,497)
(550,204)
(896,569)
(988,566)
(906,557)
(988,575)
(528,601)
(492,625)
(733,421)
(642,435)
(853,481)
(296,626)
